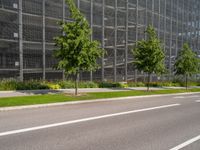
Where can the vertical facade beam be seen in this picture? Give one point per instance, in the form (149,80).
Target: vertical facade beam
(78,3)
(183,17)
(192,26)
(21,74)
(91,26)
(115,43)
(146,15)
(177,26)
(63,19)
(136,37)
(103,39)
(43,41)
(146,24)
(165,24)
(187,23)
(159,18)
(152,13)
(165,10)
(196,21)
(152,22)
(80,74)
(126,41)
(171,39)
(198,26)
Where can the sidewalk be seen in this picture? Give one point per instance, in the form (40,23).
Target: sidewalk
(84,90)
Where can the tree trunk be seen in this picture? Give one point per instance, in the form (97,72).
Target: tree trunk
(186,82)
(148,82)
(76,83)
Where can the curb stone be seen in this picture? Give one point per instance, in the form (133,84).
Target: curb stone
(88,101)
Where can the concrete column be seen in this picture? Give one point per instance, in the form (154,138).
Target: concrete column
(146,17)
(170,44)
(183,16)
(78,3)
(165,25)
(43,41)
(103,39)
(177,26)
(115,43)
(136,38)
(3,60)
(126,41)
(159,19)
(152,13)
(63,19)
(21,75)
(91,26)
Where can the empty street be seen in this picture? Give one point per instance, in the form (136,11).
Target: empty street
(150,123)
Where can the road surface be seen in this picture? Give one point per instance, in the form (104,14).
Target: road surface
(154,123)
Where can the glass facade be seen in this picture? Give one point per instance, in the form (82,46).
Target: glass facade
(27,29)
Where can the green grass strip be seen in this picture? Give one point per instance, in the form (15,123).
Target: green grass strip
(54,98)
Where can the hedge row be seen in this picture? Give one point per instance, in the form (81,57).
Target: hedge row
(37,85)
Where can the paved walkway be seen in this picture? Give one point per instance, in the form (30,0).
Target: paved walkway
(85,90)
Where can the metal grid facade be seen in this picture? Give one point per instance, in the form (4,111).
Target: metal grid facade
(27,29)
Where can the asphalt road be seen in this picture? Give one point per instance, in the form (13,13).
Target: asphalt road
(156,123)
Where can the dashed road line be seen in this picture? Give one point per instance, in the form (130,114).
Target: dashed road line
(194,96)
(84,120)
(186,143)
(179,97)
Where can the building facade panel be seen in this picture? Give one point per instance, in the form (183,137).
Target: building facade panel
(28,28)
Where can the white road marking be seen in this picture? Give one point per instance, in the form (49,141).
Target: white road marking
(83,120)
(179,97)
(186,143)
(198,101)
(194,96)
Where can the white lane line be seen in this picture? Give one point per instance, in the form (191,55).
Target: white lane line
(198,101)
(186,143)
(83,120)
(179,97)
(194,96)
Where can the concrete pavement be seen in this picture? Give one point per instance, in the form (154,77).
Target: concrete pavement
(156,123)
(81,90)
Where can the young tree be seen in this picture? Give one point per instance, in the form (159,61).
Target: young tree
(75,50)
(187,63)
(149,56)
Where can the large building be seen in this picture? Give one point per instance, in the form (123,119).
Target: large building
(27,29)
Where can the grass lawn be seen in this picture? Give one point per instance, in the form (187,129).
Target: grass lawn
(53,98)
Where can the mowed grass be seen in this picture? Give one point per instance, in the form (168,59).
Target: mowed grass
(55,98)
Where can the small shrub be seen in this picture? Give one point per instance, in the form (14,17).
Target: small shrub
(32,85)
(154,84)
(53,86)
(8,84)
(136,84)
(66,84)
(17,85)
(121,85)
(88,84)
(106,85)
(113,85)
(82,84)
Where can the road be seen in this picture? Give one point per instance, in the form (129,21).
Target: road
(154,123)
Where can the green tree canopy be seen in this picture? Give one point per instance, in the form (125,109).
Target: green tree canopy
(148,54)
(187,63)
(75,50)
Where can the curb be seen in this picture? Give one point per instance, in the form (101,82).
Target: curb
(89,101)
